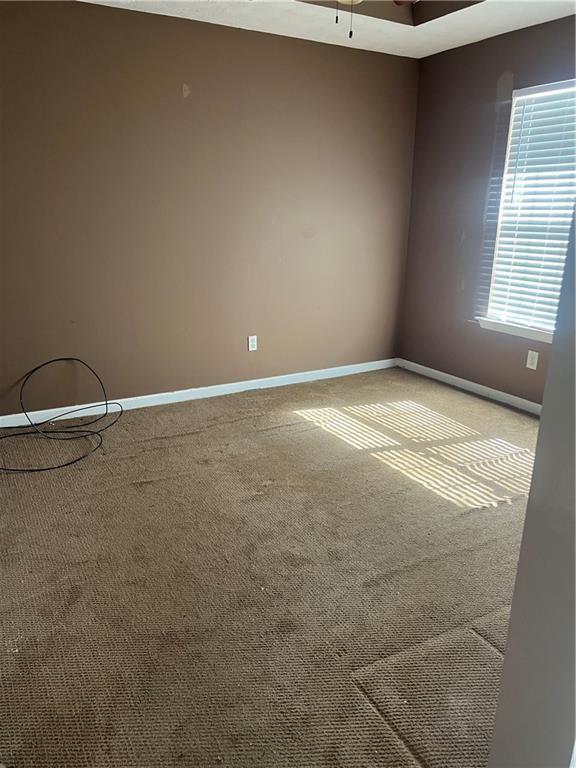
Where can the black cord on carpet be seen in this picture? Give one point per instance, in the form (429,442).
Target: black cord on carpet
(65,432)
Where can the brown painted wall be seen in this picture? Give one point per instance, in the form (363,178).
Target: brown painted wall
(169,187)
(463,111)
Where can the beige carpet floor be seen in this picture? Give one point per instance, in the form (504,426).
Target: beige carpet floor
(306,577)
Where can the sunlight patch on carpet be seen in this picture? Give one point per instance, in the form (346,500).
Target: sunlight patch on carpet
(468,473)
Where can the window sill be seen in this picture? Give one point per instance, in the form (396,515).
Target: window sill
(516,330)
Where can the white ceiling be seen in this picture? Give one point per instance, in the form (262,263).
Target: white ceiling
(291,18)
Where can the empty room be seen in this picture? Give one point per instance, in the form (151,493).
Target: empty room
(287,383)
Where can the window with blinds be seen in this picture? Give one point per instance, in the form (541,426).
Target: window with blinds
(536,210)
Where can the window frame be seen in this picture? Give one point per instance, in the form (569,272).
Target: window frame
(524,331)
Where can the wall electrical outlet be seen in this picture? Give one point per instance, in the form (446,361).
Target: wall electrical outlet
(532,360)
(252,343)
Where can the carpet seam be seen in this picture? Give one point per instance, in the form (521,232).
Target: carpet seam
(485,639)
(456,628)
(443,555)
(411,751)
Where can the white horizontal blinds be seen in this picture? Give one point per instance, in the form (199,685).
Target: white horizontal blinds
(536,207)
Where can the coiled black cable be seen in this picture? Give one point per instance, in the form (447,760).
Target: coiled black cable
(66,432)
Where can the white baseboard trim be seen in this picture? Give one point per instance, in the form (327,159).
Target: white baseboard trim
(216,390)
(197,393)
(471,386)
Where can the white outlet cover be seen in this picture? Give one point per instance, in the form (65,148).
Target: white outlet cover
(252,343)
(532,360)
